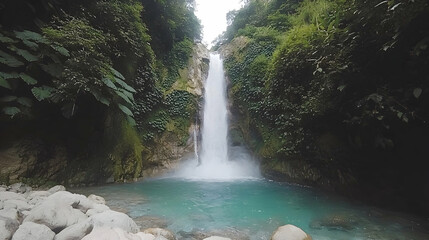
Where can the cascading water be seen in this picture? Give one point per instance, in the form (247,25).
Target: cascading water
(214,161)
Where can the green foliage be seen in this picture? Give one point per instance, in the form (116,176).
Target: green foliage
(93,61)
(347,68)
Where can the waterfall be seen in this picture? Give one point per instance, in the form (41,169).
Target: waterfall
(215,125)
(215,160)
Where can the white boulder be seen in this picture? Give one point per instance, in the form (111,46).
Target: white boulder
(216,238)
(97,208)
(56,215)
(97,199)
(36,197)
(290,232)
(76,231)
(17,204)
(19,188)
(8,227)
(77,201)
(57,188)
(33,231)
(11,213)
(160,232)
(114,219)
(107,233)
(4,196)
(146,236)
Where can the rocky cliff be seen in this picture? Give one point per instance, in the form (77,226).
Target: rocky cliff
(75,154)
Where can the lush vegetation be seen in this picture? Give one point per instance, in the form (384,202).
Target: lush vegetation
(335,92)
(95,77)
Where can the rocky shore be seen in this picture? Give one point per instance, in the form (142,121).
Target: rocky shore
(56,214)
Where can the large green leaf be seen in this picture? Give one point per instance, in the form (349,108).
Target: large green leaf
(11,111)
(8,98)
(117,74)
(4,83)
(25,101)
(61,50)
(26,55)
(30,44)
(109,83)
(417,92)
(125,110)
(5,39)
(131,121)
(29,35)
(100,97)
(128,94)
(125,85)
(42,93)
(9,60)
(9,75)
(27,79)
(53,69)
(123,96)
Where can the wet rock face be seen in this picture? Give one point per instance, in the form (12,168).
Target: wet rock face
(31,158)
(169,149)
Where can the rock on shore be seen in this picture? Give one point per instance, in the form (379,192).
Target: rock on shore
(56,214)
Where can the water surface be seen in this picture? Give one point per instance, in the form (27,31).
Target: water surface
(253,209)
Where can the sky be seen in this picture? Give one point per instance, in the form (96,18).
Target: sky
(212,14)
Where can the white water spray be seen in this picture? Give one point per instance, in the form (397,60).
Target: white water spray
(215,163)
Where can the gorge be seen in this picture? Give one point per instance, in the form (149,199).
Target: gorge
(306,112)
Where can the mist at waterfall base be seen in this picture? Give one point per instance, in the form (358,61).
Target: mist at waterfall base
(217,160)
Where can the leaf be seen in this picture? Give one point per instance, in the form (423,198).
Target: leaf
(53,69)
(4,83)
(380,3)
(117,74)
(375,97)
(8,98)
(27,79)
(395,6)
(11,111)
(417,92)
(61,50)
(26,55)
(341,88)
(131,121)
(128,94)
(100,98)
(109,83)
(123,96)
(125,110)
(42,93)
(9,75)
(9,60)
(125,85)
(25,101)
(30,44)
(4,39)
(400,114)
(29,35)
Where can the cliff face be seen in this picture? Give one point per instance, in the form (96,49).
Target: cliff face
(36,154)
(172,146)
